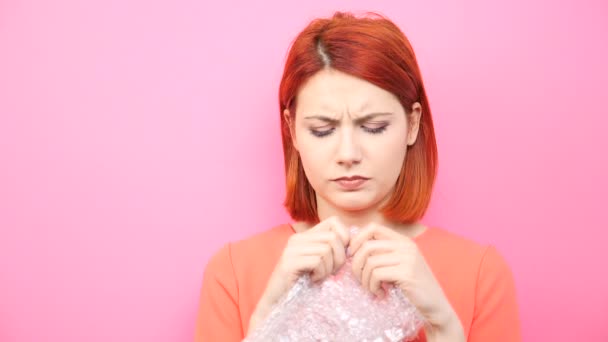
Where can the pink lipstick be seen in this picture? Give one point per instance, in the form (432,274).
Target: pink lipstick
(351,182)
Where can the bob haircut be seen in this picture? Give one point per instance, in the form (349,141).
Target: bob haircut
(374,49)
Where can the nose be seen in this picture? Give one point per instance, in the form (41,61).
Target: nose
(349,152)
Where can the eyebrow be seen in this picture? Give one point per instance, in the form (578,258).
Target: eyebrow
(357,121)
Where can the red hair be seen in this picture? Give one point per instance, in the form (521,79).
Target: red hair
(374,49)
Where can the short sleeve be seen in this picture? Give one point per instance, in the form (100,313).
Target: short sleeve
(496,315)
(218,316)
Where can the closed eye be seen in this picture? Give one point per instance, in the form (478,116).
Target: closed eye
(375,128)
(372,128)
(322,131)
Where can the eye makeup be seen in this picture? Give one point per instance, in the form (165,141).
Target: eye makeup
(375,130)
(327,130)
(322,132)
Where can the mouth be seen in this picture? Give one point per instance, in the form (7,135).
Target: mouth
(351,178)
(351,183)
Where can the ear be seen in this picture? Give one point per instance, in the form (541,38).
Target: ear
(292,131)
(413,122)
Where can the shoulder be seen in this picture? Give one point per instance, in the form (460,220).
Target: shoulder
(458,257)
(476,279)
(452,243)
(478,282)
(258,248)
(440,243)
(262,243)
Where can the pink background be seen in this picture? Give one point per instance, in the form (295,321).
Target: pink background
(137,137)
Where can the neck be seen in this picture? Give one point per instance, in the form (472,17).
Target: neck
(358,218)
(361,218)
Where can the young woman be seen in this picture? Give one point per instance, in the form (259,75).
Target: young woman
(359,150)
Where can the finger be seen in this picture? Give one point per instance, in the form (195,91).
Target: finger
(334,242)
(317,236)
(310,248)
(304,264)
(372,231)
(321,254)
(326,224)
(335,225)
(365,234)
(342,231)
(369,248)
(373,264)
(380,275)
(328,259)
(338,253)
(321,271)
(327,233)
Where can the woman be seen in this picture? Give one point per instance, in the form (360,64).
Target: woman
(359,151)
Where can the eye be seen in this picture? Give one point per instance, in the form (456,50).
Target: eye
(322,131)
(375,128)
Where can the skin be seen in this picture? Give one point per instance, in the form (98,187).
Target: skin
(347,126)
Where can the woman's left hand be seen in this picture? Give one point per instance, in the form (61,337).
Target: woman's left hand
(382,255)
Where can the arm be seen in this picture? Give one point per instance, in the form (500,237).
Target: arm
(218,316)
(496,315)
(450,332)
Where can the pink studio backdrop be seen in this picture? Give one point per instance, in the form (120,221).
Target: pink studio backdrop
(137,137)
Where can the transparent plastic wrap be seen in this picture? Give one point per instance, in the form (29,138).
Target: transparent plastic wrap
(339,309)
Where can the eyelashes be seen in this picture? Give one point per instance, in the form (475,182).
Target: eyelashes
(325,132)
(321,133)
(375,130)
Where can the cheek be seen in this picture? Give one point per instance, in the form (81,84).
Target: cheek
(313,157)
(389,156)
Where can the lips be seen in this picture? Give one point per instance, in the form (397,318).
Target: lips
(351,178)
(351,182)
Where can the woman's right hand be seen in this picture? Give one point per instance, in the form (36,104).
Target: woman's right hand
(319,251)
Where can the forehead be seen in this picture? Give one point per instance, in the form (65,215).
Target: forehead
(332,91)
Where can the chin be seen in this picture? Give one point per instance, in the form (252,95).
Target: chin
(356,203)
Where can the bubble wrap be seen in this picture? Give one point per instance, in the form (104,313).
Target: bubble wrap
(339,309)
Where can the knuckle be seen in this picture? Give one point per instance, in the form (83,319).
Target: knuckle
(365,247)
(372,261)
(294,239)
(374,273)
(318,260)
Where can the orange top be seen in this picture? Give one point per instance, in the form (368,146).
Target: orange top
(476,280)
